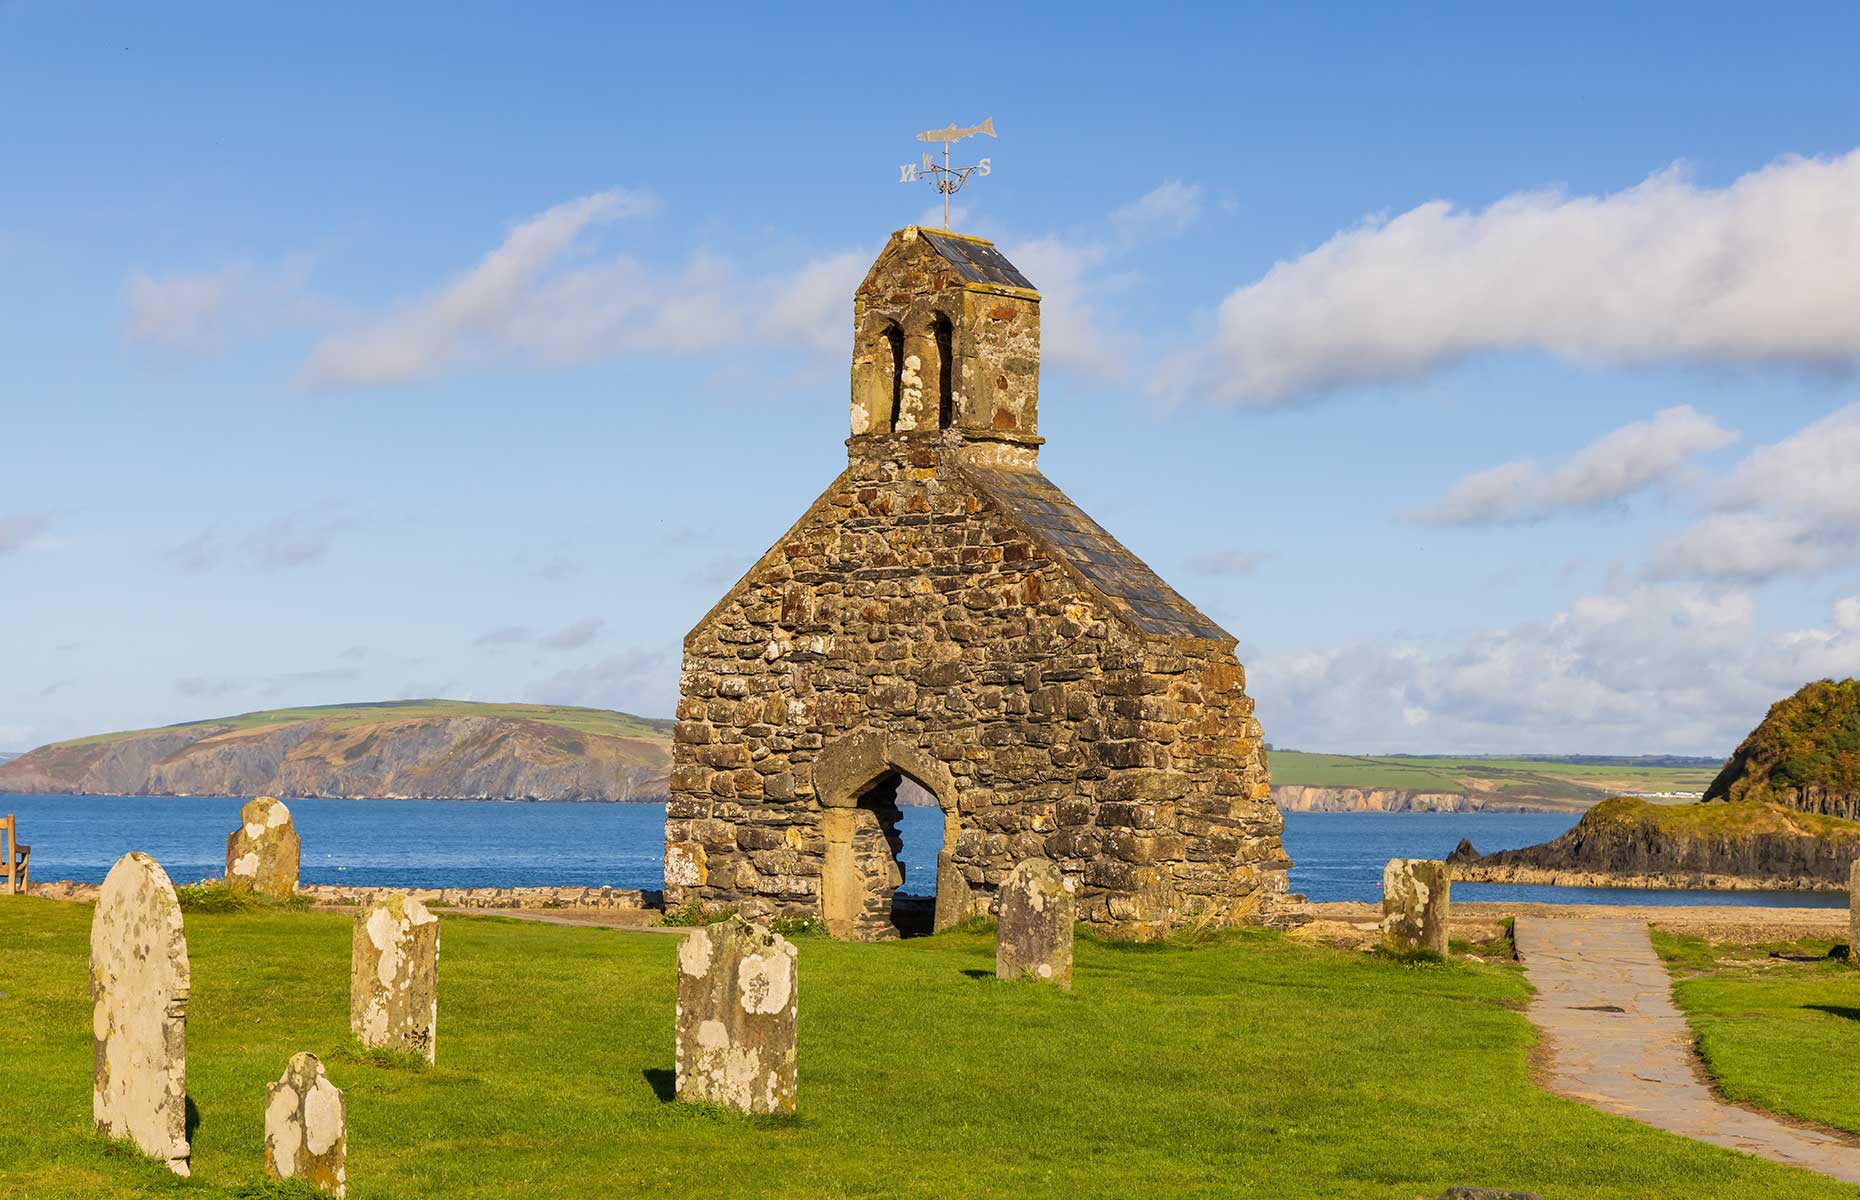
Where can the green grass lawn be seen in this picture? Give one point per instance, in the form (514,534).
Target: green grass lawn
(1780,1034)
(1246,1067)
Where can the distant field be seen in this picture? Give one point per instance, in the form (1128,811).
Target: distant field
(586,720)
(1573,782)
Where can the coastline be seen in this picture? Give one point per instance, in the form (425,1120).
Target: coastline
(1658,881)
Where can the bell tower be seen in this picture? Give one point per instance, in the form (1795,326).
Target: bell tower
(946,346)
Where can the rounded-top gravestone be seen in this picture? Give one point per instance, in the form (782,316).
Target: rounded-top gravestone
(306,1128)
(262,854)
(1035,926)
(139,979)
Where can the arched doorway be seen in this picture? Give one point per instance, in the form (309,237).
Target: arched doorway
(872,885)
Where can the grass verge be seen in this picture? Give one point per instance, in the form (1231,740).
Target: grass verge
(1778,1024)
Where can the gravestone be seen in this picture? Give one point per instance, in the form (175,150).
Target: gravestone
(1414,904)
(1853,915)
(138,988)
(1035,926)
(737,988)
(261,855)
(306,1127)
(394,977)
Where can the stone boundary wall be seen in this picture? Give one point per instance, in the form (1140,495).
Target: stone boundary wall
(584,898)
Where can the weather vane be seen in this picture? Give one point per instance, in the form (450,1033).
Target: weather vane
(942,176)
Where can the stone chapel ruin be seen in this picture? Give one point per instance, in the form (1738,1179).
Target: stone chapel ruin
(944,616)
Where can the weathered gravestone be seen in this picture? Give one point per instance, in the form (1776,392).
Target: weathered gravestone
(1853,915)
(138,988)
(262,854)
(1414,904)
(1035,925)
(394,977)
(737,988)
(306,1127)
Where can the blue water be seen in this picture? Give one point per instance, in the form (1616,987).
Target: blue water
(1340,856)
(448,843)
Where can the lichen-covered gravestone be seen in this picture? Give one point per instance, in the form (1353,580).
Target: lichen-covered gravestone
(262,854)
(1853,915)
(138,988)
(306,1127)
(394,977)
(1414,904)
(1035,927)
(737,987)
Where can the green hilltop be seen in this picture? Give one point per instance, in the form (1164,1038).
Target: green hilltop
(1805,753)
(341,716)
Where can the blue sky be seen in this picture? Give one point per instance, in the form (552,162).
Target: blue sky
(1488,374)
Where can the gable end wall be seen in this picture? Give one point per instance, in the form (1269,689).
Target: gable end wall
(905,605)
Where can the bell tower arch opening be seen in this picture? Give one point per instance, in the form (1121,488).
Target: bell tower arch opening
(944,334)
(894,342)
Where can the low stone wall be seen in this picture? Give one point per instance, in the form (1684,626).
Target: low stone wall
(493,898)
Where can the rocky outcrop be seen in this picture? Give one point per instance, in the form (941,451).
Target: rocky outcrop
(444,757)
(1626,842)
(1805,754)
(1296,798)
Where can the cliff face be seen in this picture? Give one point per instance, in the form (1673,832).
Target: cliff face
(1805,754)
(440,756)
(1298,798)
(1746,844)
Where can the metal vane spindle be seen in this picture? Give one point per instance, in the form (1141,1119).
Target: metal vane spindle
(945,178)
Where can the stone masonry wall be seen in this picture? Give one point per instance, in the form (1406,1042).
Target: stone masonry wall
(906,604)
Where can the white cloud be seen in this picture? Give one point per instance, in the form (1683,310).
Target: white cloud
(294,539)
(484,302)
(1614,466)
(813,306)
(1226,562)
(1652,668)
(198,314)
(1164,211)
(544,295)
(20,530)
(1764,270)
(573,636)
(1495,494)
(1074,332)
(636,682)
(1791,507)
(527,298)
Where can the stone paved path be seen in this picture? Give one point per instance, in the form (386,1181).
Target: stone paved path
(1617,1041)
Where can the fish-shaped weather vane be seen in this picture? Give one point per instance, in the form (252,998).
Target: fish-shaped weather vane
(945,178)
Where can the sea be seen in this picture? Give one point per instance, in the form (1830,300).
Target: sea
(463,843)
